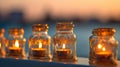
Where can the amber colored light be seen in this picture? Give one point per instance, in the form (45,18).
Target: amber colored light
(0,45)
(63,46)
(24,40)
(40,45)
(16,44)
(103,49)
(99,46)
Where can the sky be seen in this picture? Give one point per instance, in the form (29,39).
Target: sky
(34,9)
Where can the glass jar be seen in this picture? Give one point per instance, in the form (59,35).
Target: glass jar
(2,42)
(16,43)
(64,43)
(39,43)
(103,47)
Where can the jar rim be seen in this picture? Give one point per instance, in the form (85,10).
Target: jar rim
(16,31)
(104,31)
(65,26)
(40,27)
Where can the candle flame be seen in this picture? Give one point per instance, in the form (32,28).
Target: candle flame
(63,46)
(40,45)
(17,44)
(0,45)
(99,46)
(103,49)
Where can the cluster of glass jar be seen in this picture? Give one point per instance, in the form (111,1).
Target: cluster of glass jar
(103,46)
(64,43)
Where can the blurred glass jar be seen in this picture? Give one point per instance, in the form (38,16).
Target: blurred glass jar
(3,42)
(39,43)
(103,47)
(16,43)
(64,43)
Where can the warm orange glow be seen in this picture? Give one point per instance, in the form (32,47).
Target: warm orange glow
(40,45)
(24,40)
(103,49)
(105,53)
(63,46)
(16,44)
(0,45)
(99,46)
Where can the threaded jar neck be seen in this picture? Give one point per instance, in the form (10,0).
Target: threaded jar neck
(40,28)
(104,31)
(16,31)
(64,26)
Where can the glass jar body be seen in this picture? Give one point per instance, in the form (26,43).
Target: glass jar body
(15,47)
(64,46)
(103,50)
(39,46)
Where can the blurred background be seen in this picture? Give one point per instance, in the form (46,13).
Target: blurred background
(85,14)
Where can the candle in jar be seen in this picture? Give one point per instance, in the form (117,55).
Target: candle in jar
(39,52)
(63,53)
(0,46)
(15,50)
(103,55)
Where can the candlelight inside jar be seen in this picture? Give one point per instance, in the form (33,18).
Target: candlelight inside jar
(102,50)
(64,43)
(63,53)
(15,50)
(16,44)
(103,55)
(39,43)
(39,52)
(103,47)
(0,45)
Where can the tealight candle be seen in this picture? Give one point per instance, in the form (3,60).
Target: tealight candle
(103,55)
(15,50)
(39,52)
(63,53)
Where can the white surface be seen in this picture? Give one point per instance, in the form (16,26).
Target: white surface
(85,61)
